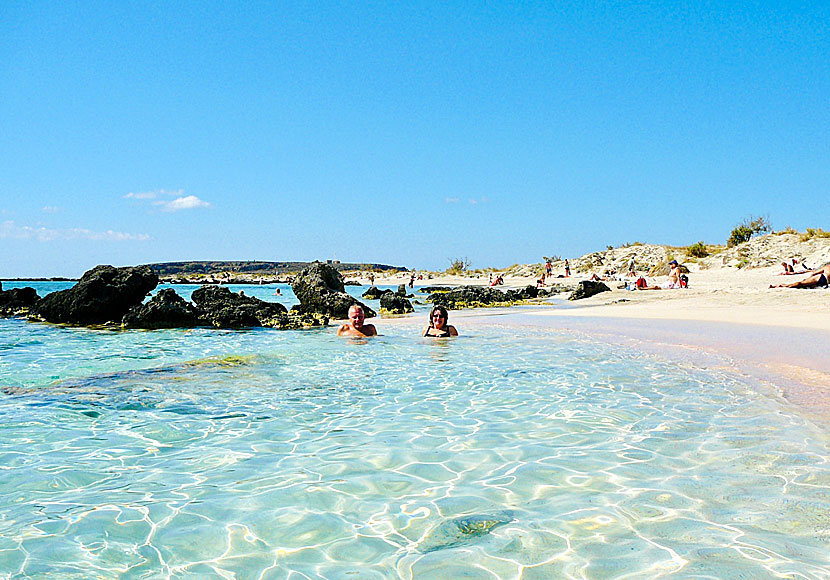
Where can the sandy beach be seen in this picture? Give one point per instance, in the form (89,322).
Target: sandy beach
(726,295)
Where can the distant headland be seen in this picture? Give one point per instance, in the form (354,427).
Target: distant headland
(252,271)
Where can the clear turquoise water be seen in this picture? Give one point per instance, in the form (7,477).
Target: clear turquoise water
(268,454)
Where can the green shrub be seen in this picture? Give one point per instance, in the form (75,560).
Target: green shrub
(787,230)
(814,233)
(748,228)
(697,250)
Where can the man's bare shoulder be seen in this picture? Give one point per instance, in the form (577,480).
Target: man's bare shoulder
(365,330)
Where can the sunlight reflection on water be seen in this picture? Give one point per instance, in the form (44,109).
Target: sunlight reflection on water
(508,452)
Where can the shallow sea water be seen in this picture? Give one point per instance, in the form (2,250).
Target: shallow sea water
(510,452)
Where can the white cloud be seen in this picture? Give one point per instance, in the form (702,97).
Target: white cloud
(474,201)
(180,203)
(169,200)
(9,229)
(154,194)
(451,200)
(50,209)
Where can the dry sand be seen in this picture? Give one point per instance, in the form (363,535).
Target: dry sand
(724,295)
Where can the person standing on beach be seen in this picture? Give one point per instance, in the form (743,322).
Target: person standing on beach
(355,326)
(567,269)
(548,269)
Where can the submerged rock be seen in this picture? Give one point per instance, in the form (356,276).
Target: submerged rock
(463,530)
(394,304)
(164,310)
(17,301)
(320,289)
(103,294)
(296,321)
(588,288)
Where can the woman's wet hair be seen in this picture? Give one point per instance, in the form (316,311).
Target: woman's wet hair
(442,310)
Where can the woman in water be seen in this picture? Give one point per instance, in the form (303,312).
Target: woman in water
(438,327)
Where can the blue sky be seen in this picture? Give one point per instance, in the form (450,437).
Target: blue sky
(402,133)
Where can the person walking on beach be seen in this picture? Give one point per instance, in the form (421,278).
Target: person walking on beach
(438,327)
(567,269)
(548,269)
(355,326)
(631,266)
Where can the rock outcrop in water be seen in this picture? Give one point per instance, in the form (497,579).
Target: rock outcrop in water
(588,288)
(217,307)
(164,310)
(103,294)
(485,296)
(320,289)
(374,293)
(393,304)
(17,301)
(222,308)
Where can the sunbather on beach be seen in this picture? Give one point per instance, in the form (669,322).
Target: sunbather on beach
(787,269)
(672,282)
(438,327)
(816,278)
(355,326)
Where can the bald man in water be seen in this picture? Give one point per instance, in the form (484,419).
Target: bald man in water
(355,327)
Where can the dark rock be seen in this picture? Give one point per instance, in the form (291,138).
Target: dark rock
(320,289)
(164,310)
(374,293)
(588,288)
(402,291)
(531,292)
(103,294)
(394,304)
(431,289)
(296,321)
(470,296)
(222,308)
(478,296)
(17,301)
(351,283)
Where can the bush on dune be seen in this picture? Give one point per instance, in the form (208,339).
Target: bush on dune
(750,227)
(814,233)
(698,250)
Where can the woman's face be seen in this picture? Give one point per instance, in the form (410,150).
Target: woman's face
(438,319)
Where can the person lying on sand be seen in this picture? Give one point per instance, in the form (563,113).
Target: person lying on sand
(355,327)
(815,279)
(787,269)
(438,327)
(672,282)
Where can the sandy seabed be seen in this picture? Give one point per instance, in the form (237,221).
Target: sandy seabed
(779,336)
